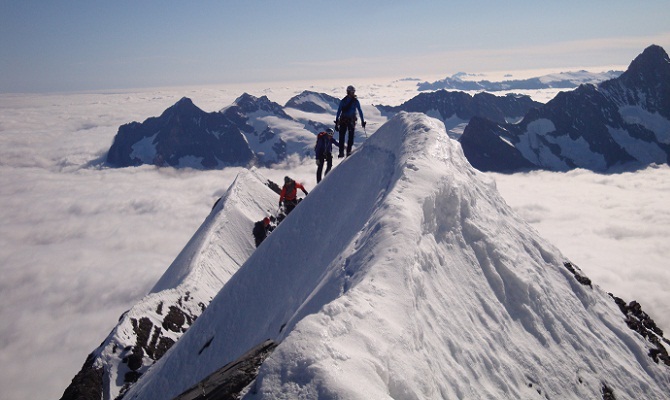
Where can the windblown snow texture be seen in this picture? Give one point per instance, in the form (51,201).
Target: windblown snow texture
(148,330)
(404,274)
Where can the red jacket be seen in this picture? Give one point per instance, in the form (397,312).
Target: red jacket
(290,191)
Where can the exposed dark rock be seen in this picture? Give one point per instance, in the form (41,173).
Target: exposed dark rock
(150,344)
(164,344)
(231,379)
(175,319)
(640,322)
(578,275)
(87,384)
(131,377)
(134,360)
(272,185)
(608,392)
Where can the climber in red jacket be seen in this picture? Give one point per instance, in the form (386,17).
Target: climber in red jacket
(289,194)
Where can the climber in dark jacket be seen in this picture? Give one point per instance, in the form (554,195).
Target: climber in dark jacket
(261,230)
(345,120)
(324,152)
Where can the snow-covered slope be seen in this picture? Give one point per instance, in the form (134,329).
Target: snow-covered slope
(146,331)
(272,134)
(405,275)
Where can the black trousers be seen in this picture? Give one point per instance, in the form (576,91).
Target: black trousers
(326,158)
(347,125)
(289,205)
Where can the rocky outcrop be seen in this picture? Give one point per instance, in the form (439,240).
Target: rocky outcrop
(232,378)
(139,340)
(640,322)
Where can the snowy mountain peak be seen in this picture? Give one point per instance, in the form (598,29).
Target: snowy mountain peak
(622,123)
(310,101)
(183,107)
(653,58)
(646,83)
(248,103)
(404,274)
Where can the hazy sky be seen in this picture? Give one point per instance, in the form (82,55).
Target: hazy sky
(84,45)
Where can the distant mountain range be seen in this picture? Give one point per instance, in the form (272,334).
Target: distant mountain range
(458,108)
(620,123)
(251,131)
(183,136)
(257,131)
(561,80)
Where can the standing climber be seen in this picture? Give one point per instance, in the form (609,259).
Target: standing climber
(289,194)
(324,152)
(345,120)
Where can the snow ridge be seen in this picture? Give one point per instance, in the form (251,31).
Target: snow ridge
(147,331)
(405,275)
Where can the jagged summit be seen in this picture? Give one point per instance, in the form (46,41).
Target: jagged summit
(183,108)
(456,109)
(646,82)
(185,102)
(182,136)
(314,102)
(623,123)
(652,61)
(405,275)
(248,103)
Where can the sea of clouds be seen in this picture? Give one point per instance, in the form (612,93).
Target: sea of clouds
(80,243)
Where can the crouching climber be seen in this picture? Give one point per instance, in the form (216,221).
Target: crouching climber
(261,230)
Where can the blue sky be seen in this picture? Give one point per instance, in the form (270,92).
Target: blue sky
(90,45)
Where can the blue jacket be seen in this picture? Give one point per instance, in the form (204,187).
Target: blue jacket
(348,107)
(324,144)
